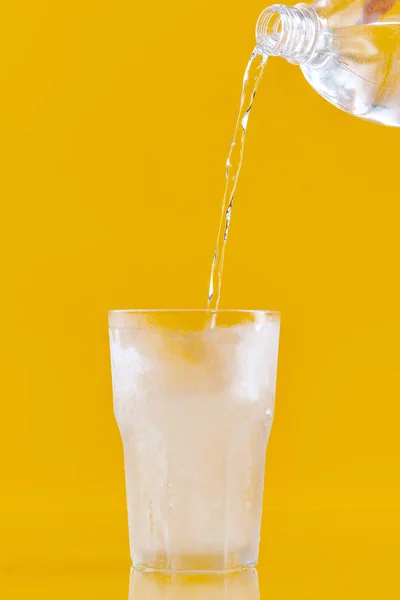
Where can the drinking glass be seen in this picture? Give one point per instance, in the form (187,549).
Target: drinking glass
(194,398)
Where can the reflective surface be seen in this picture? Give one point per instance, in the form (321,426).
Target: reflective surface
(310,555)
(365,569)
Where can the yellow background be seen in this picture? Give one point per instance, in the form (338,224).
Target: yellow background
(115,121)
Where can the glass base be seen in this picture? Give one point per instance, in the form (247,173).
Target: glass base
(194,563)
(209,585)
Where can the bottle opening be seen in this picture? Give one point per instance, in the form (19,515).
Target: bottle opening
(286,31)
(273,24)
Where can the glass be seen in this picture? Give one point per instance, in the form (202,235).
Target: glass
(242,585)
(194,396)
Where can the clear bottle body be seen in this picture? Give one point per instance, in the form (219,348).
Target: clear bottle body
(349,52)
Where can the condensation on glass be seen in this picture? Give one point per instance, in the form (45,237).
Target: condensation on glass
(194,404)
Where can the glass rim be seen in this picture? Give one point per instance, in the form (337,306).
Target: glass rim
(196,310)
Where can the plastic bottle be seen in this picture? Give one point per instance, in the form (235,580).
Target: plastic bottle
(349,52)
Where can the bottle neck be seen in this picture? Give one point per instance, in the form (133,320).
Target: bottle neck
(288,31)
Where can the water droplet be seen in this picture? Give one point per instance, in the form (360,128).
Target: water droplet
(244,121)
(151,517)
